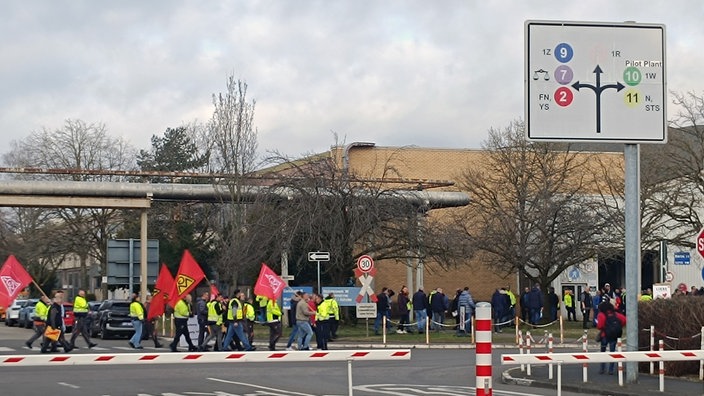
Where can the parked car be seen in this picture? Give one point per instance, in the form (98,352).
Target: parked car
(113,318)
(13,312)
(2,313)
(69,318)
(26,313)
(93,317)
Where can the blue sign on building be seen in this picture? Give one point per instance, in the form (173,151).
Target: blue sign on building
(682,258)
(288,293)
(345,296)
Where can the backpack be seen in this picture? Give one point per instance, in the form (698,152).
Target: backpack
(612,327)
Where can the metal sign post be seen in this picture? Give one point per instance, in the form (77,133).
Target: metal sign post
(318,257)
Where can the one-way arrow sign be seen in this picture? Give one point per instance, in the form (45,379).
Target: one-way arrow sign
(318,256)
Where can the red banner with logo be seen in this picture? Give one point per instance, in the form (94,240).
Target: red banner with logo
(269,284)
(13,279)
(160,295)
(189,275)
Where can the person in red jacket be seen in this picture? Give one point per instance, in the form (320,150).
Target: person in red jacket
(610,324)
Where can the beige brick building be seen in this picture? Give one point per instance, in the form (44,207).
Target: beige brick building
(434,167)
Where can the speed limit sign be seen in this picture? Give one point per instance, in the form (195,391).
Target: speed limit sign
(365,263)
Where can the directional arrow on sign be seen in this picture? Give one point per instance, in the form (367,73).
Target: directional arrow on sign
(598,88)
(318,256)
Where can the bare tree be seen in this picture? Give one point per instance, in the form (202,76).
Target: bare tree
(233,137)
(329,207)
(78,146)
(533,208)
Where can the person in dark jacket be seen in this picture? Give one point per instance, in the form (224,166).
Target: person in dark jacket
(438,307)
(535,304)
(55,319)
(420,309)
(553,303)
(202,316)
(382,309)
(403,310)
(525,312)
(498,309)
(585,304)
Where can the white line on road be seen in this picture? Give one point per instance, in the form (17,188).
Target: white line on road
(69,385)
(258,387)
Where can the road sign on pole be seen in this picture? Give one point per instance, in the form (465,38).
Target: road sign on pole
(318,257)
(588,81)
(700,242)
(365,264)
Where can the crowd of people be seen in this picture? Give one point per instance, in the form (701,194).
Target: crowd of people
(429,310)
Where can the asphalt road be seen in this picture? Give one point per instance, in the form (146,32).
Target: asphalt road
(430,372)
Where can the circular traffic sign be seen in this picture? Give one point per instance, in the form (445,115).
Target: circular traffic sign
(700,242)
(669,276)
(365,263)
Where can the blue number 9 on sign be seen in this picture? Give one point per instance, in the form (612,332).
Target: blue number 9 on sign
(563,52)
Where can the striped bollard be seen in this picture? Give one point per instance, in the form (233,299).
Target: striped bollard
(528,337)
(550,350)
(520,347)
(619,348)
(701,362)
(652,347)
(661,372)
(483,349)
(584,349)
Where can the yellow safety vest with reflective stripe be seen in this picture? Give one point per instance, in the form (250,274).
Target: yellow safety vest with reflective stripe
(212,313)
(41,310)
(273,312)
(239,312)
(136,311)
(512,297)
(230,317)
(333,308)
(80,305)
(249,312)
(322,311)
(181,310)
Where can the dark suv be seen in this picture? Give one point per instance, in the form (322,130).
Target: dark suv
(113,318)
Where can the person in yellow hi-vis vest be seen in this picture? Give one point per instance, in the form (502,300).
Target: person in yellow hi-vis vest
(137,316)
(273,321)
(182,311)
(41,310)
(80,312)
(215,310)
(570,305)
(236,312)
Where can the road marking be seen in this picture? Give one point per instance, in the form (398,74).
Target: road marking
(69,385)
(8,349)
(266,388)
(438,390)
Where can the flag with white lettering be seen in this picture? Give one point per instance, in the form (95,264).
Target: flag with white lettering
(269,284)
(13,278)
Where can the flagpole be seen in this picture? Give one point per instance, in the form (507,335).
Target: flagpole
(39,287)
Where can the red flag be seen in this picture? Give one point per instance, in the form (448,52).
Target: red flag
(269,284)
(160,295)
(213,291)
(13,278)
(188,277)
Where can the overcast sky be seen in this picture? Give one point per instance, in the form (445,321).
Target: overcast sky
(426,73)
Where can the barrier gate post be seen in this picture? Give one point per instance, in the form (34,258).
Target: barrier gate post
(483,349)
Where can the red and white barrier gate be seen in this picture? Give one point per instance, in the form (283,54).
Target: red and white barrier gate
(208,357)
(483,349)
(606,357)
(603,357)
